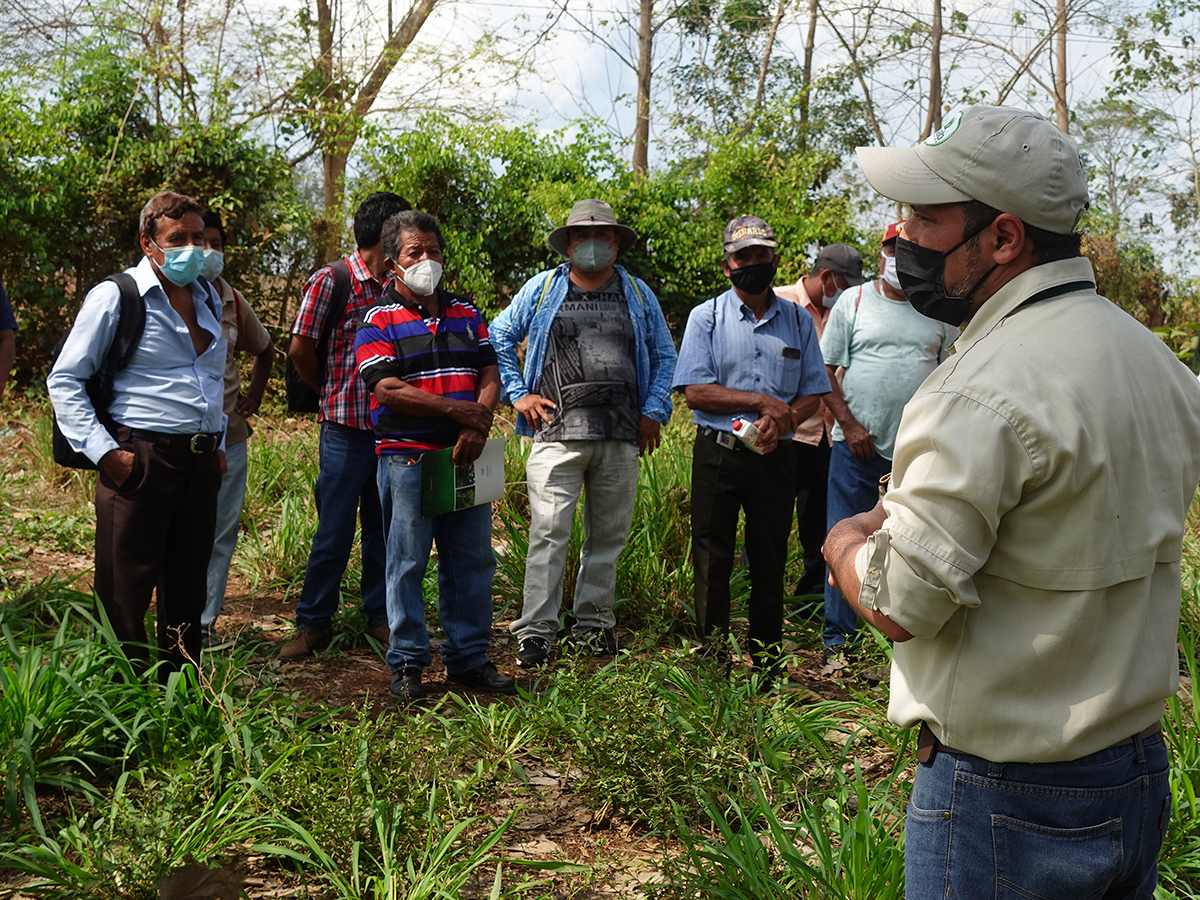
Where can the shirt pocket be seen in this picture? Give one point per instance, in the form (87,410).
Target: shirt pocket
(785,372)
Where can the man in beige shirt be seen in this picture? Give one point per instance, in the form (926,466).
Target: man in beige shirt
(1026,558)
(837,268)
(244,334)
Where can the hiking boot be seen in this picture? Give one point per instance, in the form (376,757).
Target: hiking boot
(533,652)
(600,641)
(484,677)
(305,643)
(382,633)
(406,686)
(812,581)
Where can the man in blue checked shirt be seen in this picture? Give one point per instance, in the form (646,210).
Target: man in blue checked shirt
(746,355)
(595,390)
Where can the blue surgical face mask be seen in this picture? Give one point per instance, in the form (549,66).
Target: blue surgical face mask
(181,265)
(214,264)
(593,255)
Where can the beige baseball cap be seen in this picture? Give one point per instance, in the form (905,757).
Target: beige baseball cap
(1011,159)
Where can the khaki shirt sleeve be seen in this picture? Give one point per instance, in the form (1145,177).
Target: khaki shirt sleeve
(959,467)
(253,338)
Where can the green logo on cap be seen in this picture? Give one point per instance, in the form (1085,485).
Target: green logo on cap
(946,132)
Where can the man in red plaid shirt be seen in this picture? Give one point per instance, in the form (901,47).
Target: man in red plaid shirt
(346,479)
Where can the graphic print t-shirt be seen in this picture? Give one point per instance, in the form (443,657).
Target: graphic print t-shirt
(589,370)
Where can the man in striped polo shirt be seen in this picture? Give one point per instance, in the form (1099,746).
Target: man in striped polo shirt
(424,354)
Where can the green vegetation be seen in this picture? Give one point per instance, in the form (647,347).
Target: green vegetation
(113,784)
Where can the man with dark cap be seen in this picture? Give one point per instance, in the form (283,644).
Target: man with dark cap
(1026,557)
(837,268)
(594,393)
(747,360)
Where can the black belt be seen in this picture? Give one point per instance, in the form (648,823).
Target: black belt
(724,439)
(928,746)
(203,442)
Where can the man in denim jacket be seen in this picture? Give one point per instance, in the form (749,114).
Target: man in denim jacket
(595,391)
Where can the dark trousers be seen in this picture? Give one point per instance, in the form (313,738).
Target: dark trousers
(155,532)
(812,486)
(725,481)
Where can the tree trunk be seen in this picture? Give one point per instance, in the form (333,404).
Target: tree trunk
(762,72)
(1060,66)
(328,112)
(341,115)
(641,131)
(933,117)
(810,40)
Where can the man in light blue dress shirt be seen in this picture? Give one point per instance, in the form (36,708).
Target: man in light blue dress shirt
(746,355)
(159,446)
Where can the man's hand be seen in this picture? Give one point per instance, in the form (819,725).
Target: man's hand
(247,405)
(222,462)
(778,411)
(858,440)
(648,436)
(472,414)
(468,447)
(117,465)
(533,407)
(768,434)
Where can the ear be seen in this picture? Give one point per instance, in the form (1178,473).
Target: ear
(1010,241)
(725,267)
(146,244)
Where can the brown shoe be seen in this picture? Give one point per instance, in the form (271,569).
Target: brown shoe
(382,633)
(305,643)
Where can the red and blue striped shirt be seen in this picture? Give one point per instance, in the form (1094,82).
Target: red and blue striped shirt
(440,354)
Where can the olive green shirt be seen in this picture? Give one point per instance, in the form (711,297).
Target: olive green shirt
(1032,544)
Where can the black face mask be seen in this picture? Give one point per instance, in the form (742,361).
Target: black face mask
(922,277)
(753,279)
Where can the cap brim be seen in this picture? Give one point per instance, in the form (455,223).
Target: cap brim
(899,174)
(853,280)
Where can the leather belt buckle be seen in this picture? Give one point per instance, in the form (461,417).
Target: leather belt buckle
(203,443)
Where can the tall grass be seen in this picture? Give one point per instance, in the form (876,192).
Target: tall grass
(113,782)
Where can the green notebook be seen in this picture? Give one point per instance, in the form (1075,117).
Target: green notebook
(446,487)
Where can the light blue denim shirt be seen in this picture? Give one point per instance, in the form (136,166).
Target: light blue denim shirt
(532,312)
(777,355)
(166,387)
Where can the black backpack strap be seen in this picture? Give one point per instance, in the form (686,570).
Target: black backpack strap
(339,298)
(130,325)
(210,291)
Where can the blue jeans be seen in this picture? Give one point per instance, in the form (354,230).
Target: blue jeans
(1089,828)
(466,565)
(345,487)
(853,489)
(229,519)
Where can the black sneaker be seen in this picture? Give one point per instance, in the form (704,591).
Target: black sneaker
(533,652)
(407,687)
(600,641)
(812,581)
(484,677)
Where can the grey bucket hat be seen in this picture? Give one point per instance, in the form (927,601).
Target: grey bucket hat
(591,212)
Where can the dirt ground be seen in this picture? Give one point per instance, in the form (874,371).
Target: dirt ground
(551,822)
